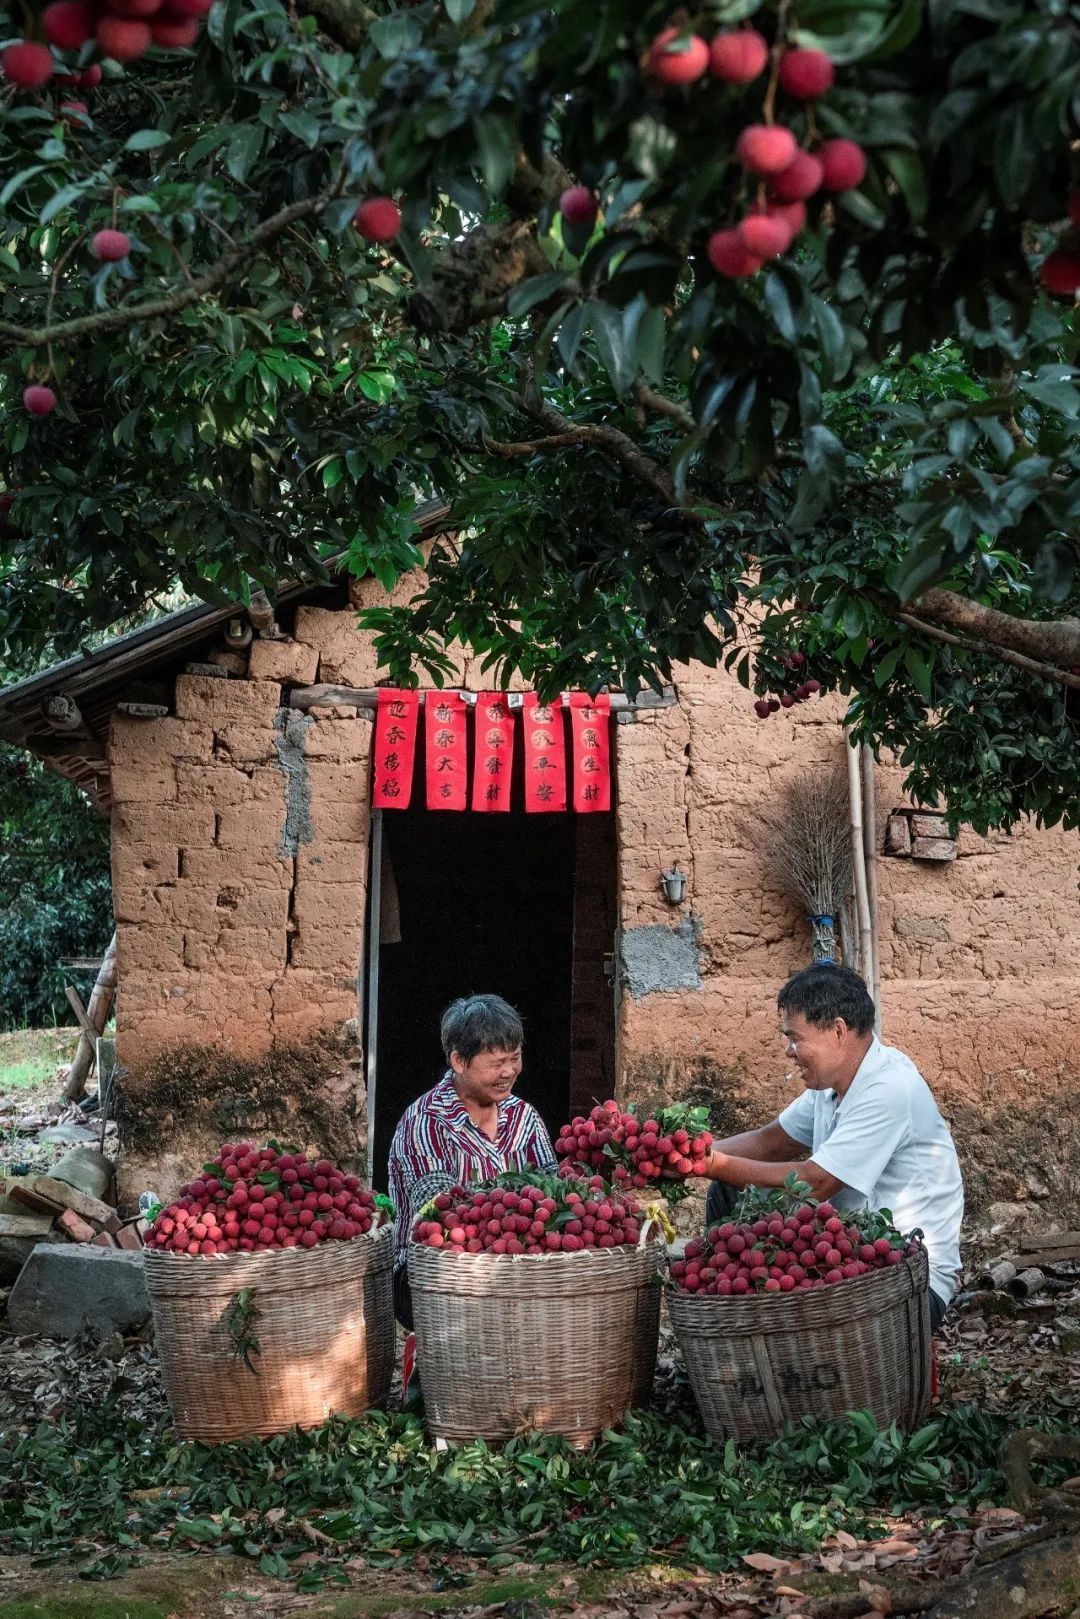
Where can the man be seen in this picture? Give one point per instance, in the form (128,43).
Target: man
(867,1120)
(469,1127)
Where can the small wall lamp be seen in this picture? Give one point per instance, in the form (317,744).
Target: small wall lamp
(673,883)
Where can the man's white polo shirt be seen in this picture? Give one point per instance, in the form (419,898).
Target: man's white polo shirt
(888,1144)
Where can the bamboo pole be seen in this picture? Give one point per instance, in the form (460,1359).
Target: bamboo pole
(858,861)
(97,1015)
(869,808)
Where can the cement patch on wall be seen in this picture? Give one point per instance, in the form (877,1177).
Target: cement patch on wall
(657,958)
(290,729)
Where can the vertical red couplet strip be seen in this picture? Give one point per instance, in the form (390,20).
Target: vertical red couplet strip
(590,733)
(544,736)
(395,748)
(493,754)
(445,738)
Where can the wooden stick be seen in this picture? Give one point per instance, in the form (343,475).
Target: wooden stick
(80,1012)
(998,1275)
(869,807)
(324,696)
(1049,1239)
(862,902)
(97,1015)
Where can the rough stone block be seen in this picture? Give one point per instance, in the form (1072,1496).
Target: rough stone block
(334,781)
(245,906)
(339,820)
(933,849)
(220,785)
(342,742)
(200,698)
(137,869)
(21,1195)
(331,906)
(149,744)
(62,1290)
(289,662)
(252,826)
(87,1170)
(331,863)
(181,826)
(142,784)
(94,1209)
(233,947)
(25,1225)
(898,835)
(346,657)
(129,1238)
(76,1229)
(240,743)
(925,824)
(227,868)
(150,945)
(15,1251)
(335,950)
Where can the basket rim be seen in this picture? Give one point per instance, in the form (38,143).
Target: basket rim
(679,1298)
(621,1249)
(155,1256)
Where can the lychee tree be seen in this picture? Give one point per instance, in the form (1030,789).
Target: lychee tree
(682,311)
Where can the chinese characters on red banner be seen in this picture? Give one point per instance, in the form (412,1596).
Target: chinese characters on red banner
(395,748)
(494,752)
(445,735)
(544,733)
(590,740)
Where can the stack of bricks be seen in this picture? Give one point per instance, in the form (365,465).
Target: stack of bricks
(59,1212)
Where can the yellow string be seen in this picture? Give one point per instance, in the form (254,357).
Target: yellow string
(658,1212)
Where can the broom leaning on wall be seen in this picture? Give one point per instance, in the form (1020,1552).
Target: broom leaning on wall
(809,858)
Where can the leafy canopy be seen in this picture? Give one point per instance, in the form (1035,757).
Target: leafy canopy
(871,444)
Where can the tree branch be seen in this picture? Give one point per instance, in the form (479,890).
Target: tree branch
(554,441)
(1055,642)
(615,442)
(1045,671)
(109,320)
(649,399)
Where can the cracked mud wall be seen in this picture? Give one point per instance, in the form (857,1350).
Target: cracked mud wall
(980,957)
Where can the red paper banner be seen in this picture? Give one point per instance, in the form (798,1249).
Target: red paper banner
(590,742)
(544,732)
(445,737)
(494,752)
(395,748)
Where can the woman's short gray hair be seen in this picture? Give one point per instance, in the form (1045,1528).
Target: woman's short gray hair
(477,1023)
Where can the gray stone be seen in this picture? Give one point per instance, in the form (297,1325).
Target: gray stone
(63,1290)
(658,958)
(69,1135)
(87,1169)
(898,835)
(15,1251)
(933,849)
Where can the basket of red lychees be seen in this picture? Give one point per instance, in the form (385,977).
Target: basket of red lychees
(270,1282)
(793,1308)
(537,1305)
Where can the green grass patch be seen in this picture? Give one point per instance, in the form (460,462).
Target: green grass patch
(86,1605)
(30,1057)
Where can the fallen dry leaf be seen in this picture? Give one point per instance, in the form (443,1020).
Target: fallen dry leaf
(766,1564)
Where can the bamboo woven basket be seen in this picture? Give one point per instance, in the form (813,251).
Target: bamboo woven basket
(325,1327)
(560,1343)
(761,1361)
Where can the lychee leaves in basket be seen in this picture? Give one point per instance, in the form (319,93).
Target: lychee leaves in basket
(527,1212)
(639,1147)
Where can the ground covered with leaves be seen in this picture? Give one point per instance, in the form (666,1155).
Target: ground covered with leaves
(95,1482)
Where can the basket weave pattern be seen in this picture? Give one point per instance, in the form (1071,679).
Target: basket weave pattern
(758,1362)
(325,1328)
(562,1343)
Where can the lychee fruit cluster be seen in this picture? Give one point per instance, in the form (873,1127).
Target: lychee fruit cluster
(811,1247)
(787,699)
(121,29)
(788,174)
(526,1213)
(667,1145)
(252,1198)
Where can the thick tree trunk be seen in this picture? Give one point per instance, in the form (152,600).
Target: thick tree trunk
(97,1015)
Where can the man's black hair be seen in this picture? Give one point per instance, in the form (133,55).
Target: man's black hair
(477,1023)
(822,993)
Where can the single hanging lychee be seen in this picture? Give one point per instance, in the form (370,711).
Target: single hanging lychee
(844,165)
(805,74)
(27,65)
(578,205)
(678,57)
(766,148)
(739,56)
(378,219)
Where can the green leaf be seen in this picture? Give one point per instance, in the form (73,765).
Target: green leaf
(146,140)
(243,150)
(394,35)
(535,290)
(17,182)
(918,667)
(304,125)
(459,11)
(497,146)
(60,200)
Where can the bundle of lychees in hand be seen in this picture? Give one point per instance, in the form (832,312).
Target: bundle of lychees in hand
(768,1250)
(527,1212)
(252,1198)
(635,1148)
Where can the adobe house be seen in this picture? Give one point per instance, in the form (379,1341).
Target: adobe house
(284,953)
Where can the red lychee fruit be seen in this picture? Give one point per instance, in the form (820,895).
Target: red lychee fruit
(26,65)
(805,74)
(135,8)
(762,709)
(766,148)
(68,24)
(188,8)
(738,56)
(378,219)
(110,246)
(793,215)
(676,57)
(70,110)
(729,256)
(578,205)
(843,164)
(801,178)
(786,700)
(765,235)
(1060,273)
(123,38)
(774,705)
(39,400)
(90,76)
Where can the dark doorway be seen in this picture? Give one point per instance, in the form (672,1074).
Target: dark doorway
(519,905)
